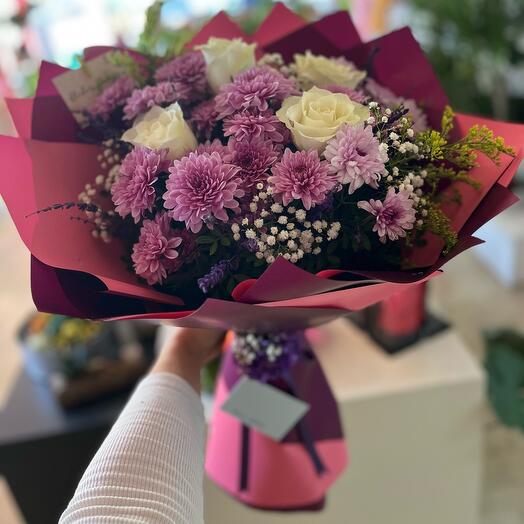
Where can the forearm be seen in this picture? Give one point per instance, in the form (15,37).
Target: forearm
(150,467)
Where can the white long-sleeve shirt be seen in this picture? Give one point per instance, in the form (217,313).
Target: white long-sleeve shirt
(150,467)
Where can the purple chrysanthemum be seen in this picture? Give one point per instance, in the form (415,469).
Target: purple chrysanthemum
(355,157)
(246,126)
(201,188)
(155,254)
(254,158)
(204,118)
(301,175)
(212,147)
(188,73)
(353,94)
(394,215)
(141,100)
(134,192)
(254,89)
(112,97)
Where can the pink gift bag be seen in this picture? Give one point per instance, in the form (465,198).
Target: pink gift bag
(294,474)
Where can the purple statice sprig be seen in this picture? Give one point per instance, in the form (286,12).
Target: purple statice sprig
(268,356)
(101,220)
(217,274)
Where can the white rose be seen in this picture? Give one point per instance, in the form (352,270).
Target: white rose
(225,58)
(163,129)
(321,71)
(315,117)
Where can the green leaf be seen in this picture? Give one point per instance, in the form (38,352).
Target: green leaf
(214,248)
(505,369)
(205,240)
(149,36)
(366,243)
(128,63)
(231,284)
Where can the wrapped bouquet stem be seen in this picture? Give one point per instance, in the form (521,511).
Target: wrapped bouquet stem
(264,184)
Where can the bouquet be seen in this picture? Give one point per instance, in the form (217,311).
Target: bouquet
(263,184)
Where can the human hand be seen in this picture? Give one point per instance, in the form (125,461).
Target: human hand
(187,351)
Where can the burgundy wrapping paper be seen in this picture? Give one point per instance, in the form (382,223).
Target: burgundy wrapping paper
(281,476)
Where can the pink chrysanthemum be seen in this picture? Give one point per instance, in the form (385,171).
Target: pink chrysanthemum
(155,254)
(204,118)
(141,100)
(355,157)
(188,73)
(212,147)
(247,126)
(112,97)
(201,188)
(301,176)
(254,158)
(134,193)
(254,89)
(353,94)
(395,214)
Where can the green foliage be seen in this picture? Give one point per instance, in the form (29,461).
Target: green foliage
(438,172)
(446,123)
(452,161)
(505,369)
(149,37)
(439,223)
(462,153)
(479,139)
(209,374)
(432,144)
(172,42)
(127,62)
(471,44)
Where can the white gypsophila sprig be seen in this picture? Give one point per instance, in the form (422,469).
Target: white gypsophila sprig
(282,231)
(109,162)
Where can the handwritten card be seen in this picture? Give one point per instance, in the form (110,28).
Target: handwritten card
(265,408)
(80,87)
